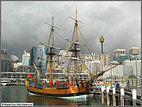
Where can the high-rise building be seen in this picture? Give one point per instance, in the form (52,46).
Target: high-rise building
(25,58)
(35,57)
(105,59)
(94,66)
(6,65)
(119,52)
(133,51)
(64,57)
(135,65)
(95,56)
(3,54)
(119,55)
(32,51)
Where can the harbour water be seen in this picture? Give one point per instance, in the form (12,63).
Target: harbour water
(19,94)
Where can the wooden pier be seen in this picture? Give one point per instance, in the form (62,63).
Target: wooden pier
(117,96)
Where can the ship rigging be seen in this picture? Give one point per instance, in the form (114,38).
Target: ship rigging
(61,87)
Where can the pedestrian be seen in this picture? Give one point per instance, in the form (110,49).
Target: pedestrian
(115,85)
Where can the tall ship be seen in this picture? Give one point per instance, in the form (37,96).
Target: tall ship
(60,87)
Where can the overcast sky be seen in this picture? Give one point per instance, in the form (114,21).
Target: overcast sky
(22,24)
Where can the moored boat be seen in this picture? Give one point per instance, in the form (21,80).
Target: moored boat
(62,88)
(50,89)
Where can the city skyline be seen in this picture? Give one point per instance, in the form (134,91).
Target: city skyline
(23,24)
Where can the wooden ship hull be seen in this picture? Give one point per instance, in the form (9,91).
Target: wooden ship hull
(58,91)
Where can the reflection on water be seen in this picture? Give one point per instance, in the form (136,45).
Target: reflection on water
(42,100)
(20,94)
(13,93)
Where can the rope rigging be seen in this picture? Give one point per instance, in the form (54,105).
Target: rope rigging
(61,37)
(64,22)
(84,41)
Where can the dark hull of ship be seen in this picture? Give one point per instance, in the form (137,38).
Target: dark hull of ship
(59,91)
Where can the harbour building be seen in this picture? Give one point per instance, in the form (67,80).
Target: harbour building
(135,65)
(95,56)
(115,74)
(3,54)
(35,57)
(105,59)
(16,63)
(16,66)
(134,53)
(64,57)
(94,66)
(119,55)
(25,58)
(6,64)
(98,61)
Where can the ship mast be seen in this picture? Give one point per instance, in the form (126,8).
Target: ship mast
(75,61)
(75,49)
(51,48)
(76,27)
(40,63)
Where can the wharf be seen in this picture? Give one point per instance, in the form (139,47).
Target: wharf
(127,95)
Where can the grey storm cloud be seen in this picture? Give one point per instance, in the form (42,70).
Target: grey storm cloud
(23,24)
